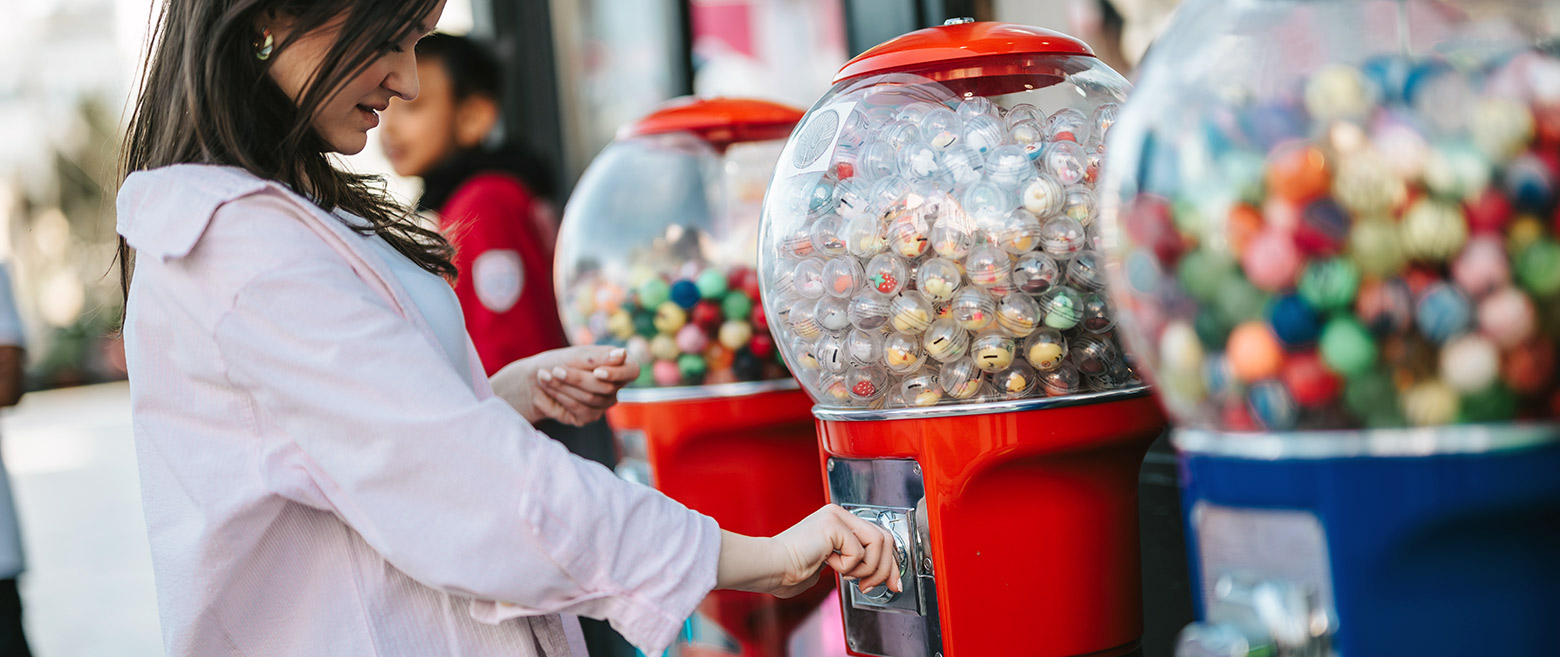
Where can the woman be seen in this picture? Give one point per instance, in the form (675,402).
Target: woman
(491,202)
(324,466)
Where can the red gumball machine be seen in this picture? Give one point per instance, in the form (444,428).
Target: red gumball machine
(656,253)
(932,272)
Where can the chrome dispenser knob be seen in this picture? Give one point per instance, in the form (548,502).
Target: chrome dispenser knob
(959,21)
(897,529)
(1218,640)
(1259,618)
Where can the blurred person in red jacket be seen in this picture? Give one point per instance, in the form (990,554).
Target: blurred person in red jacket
(492,202)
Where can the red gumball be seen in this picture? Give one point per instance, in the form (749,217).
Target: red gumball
(1238,418)
(1489,213)
(1529,366)
(746,280)
(762,345)
(759,319)
(1150,221)
(707,316)
(735,278)
(1309,381)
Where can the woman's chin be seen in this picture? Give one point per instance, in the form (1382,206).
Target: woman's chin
(350,144)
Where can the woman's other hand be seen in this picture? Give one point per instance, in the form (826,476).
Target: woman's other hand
(573,385)
(790,563)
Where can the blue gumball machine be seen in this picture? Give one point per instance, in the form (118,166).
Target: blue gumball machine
(1333,236)
(1407,542)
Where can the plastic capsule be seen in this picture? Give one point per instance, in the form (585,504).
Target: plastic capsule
(1035,272)
(973,309)
(886,275)
(1062,237)
(864,346)
(1046,349)
(1098,317)
(1019,233)
(1086,271)
(922,389)
(808,278)
(865,236)
(993,351)
(902,353)
(1017,381)
(938,279)
(1060,381)
(983,133)
(945,340)
(961,379)
(825,235)
(1043,196)
(833,313)
(868,312)
(987,265)
(1091,354)
(830,351)
(910,313)
(865,383)
(842,276)
(1018,315)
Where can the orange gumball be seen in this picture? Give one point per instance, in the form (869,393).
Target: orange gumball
(1245,222)
(1254,353)
(1298,172)
(718,357)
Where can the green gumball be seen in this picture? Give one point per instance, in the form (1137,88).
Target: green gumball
(653,293)
(711,284)
(692,368)
(1330,284)
(1538,267)
(1347,347)
(736,305)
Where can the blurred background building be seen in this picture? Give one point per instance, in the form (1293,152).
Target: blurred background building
(578,69)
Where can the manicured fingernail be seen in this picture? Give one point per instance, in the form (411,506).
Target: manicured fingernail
(544,376)
(601,373)
(560,372)
(617,353)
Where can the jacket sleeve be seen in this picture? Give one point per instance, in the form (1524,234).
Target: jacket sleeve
(361,415)
(505,285)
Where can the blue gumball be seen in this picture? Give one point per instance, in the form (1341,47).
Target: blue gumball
(1294,321)
(685,293)
(1443,313)
(1272,406)
(1389,75)
(1529,184)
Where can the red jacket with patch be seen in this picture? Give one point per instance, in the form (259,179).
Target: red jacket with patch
(503,239)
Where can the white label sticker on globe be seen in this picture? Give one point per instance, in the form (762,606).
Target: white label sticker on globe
(815,141)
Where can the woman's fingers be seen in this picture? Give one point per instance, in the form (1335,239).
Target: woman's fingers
(584,380)
(882,562)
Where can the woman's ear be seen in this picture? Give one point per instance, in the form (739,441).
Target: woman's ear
(475,118)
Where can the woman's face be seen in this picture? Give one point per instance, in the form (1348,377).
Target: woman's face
(345,118)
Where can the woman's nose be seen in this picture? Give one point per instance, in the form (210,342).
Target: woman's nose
(402,79)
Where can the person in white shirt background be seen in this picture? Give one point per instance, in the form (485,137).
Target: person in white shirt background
(13,642)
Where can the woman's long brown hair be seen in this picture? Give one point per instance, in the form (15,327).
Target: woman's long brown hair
(206,98)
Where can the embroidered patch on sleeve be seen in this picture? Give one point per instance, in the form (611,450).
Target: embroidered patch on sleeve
(498,276)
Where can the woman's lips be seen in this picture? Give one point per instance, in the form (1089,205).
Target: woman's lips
(370,117)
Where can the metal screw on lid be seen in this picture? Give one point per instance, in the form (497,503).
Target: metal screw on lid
(959,21)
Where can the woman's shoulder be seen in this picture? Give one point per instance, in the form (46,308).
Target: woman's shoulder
(166,212)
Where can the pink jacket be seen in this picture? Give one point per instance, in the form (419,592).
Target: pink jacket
(318,479)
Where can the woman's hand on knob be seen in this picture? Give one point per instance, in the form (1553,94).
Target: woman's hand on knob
(791,562)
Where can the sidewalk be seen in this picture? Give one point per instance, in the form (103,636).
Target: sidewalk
(88,591)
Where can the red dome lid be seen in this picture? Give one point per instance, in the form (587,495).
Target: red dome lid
(1000,53)
(720,121)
